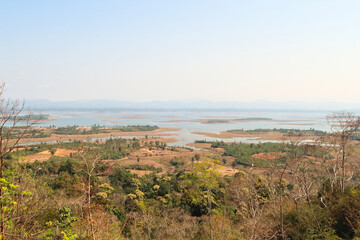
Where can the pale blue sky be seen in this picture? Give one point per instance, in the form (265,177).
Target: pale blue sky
(169,50)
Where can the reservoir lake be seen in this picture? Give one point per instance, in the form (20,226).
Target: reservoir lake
(186,122)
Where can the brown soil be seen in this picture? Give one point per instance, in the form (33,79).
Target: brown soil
(18,149)
(229,160)
(155,157)
(46,155)
(133,161)
(84,128)
(258,170)
(41,157)
(140,173)
(269,156)
(200,145)
(61,152)
(225,170)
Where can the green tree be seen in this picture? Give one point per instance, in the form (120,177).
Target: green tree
(202,181)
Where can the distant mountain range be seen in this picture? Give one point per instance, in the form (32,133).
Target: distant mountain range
(189,105)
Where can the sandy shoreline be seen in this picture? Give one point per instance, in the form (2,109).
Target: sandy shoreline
(60,137)
(259,136)
(226,120)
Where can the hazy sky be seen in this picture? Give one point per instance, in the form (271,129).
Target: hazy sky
(167,50)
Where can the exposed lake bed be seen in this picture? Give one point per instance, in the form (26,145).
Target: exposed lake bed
(181,128)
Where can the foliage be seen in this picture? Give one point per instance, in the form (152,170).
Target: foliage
(76,130)
(284,131)
(136,128)
(59,199)
(244,152)
(144,167)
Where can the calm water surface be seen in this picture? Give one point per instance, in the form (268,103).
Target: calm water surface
(180,120)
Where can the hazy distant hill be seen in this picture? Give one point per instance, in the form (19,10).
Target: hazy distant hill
(188,104)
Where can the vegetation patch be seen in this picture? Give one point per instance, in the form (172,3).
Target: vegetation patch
(285,132)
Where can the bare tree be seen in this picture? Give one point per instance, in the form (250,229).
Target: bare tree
(91,161)
(305,174)
(10,136)
(243,194)
(344,128)
(278,180)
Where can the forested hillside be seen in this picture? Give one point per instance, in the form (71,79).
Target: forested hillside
(141,188)
(86,195)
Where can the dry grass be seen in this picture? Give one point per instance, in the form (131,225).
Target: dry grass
(200,145)
(140,173)
(46,155)
(156,157)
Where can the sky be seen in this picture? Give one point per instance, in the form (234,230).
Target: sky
(173,50)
